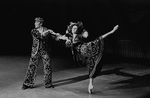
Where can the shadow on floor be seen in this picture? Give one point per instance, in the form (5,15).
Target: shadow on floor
(84,77)
(117,71)
(134,82)
(147,95)
(70,80)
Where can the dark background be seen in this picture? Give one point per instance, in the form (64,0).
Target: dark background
(98,17)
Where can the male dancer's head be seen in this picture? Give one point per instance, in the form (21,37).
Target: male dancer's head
(38,22)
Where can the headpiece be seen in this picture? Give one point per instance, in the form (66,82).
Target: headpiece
(79,24)
(39,19)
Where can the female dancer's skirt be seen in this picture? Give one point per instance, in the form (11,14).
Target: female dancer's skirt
(91,54)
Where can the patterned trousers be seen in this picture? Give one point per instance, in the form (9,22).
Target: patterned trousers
(32,69)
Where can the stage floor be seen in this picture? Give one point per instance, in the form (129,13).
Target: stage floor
(122,80)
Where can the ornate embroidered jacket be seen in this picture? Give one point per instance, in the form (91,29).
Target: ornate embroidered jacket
(40,43)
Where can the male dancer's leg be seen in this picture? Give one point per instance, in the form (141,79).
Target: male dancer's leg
(32,70)
(47,70)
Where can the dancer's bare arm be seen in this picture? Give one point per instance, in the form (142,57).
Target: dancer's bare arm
(112,31)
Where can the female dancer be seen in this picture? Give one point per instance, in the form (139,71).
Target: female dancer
(91,51)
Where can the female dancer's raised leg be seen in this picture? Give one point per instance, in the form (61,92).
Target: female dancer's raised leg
(97,68)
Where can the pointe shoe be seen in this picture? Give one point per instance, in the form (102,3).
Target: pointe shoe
(90,89)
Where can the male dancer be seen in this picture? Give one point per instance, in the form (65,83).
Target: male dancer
(39,50)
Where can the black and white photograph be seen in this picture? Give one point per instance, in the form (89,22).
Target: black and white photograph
(75,49)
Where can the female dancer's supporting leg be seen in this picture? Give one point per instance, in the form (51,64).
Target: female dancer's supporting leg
(95,74)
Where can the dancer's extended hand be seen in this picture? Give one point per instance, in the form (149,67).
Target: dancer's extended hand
(58,37)
(63,37)
(116,27)
(112,31)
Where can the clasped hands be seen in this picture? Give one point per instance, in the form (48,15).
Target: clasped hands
(58,35)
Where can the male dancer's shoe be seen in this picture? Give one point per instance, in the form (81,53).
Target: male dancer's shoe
(49,86)
(26,87)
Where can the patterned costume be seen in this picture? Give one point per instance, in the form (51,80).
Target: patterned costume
(39,50)
(86,53)
(90,53)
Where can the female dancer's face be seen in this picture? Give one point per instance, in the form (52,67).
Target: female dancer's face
(74,29)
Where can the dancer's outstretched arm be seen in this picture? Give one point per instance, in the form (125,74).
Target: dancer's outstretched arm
(52,32)
(112,31)
(63,37)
